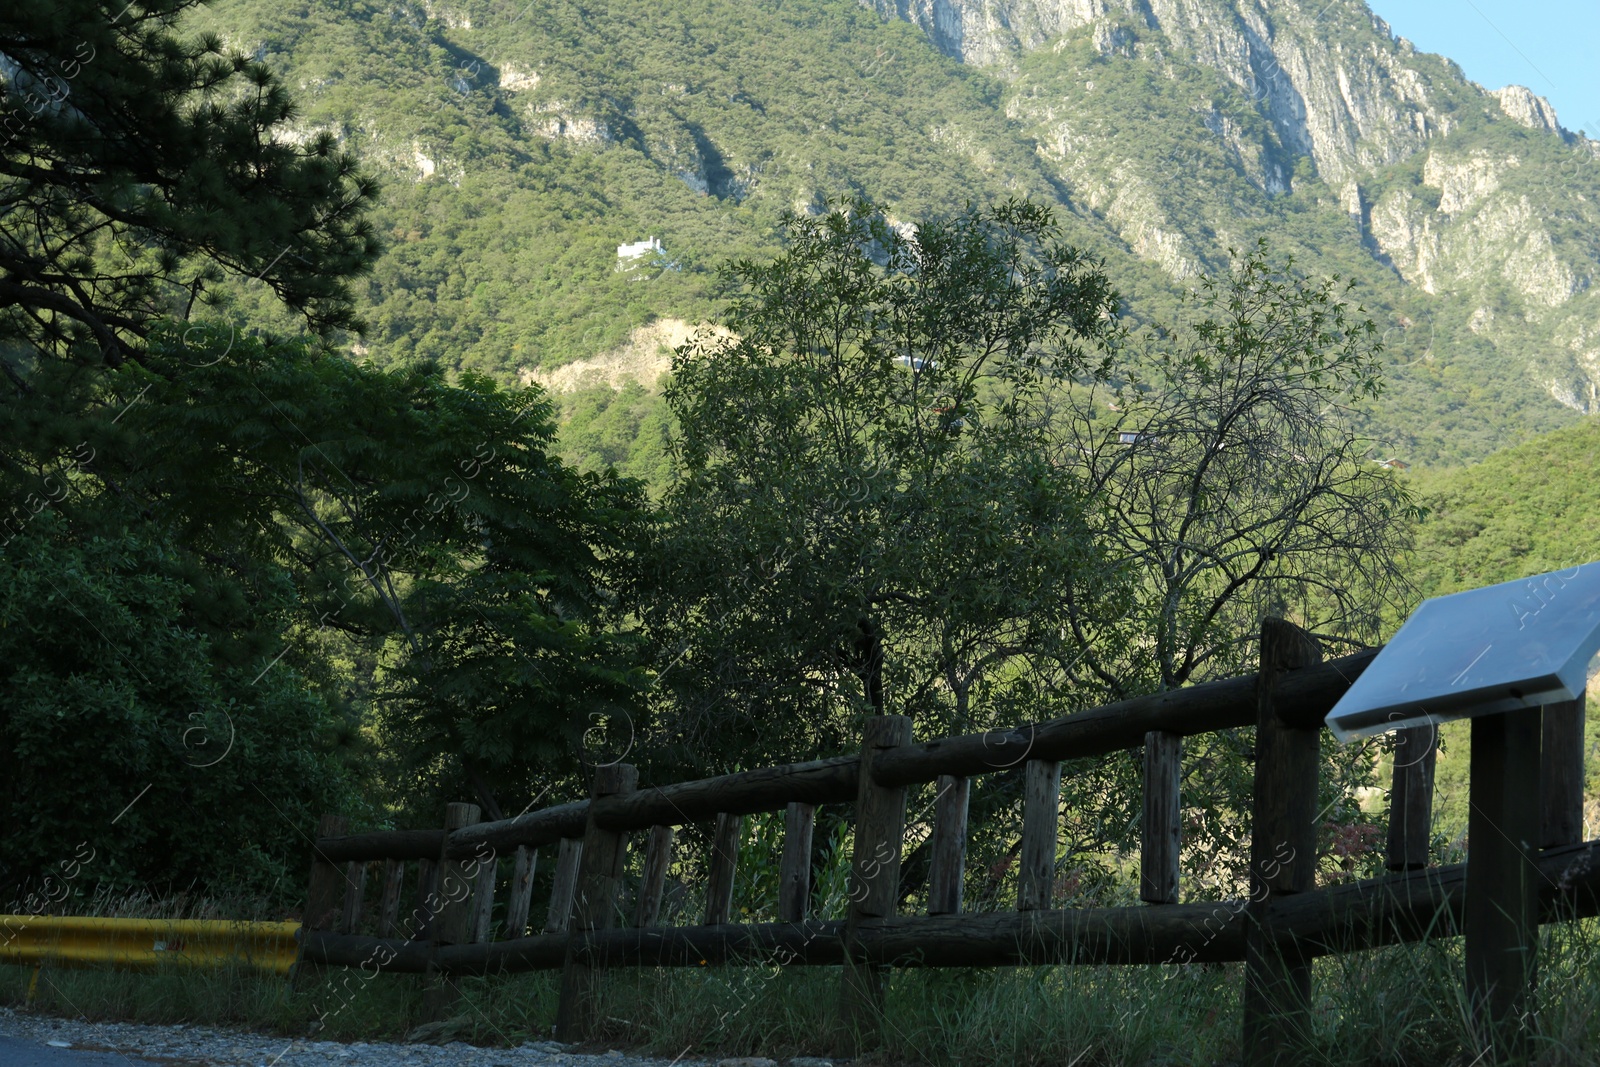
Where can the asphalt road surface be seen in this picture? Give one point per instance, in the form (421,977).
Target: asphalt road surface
(17,1052)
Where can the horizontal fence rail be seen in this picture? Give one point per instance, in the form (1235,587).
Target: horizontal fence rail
(1204,708)
(383,845)
(436,891)
(1306,698)
(1370,913)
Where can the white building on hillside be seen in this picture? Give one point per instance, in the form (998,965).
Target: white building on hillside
(637,250)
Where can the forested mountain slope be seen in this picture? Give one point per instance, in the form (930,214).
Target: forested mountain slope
(524,142)
(1524,511)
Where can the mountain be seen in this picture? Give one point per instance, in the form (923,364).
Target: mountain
(1479,203)
(525,141)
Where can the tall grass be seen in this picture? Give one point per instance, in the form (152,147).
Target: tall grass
(1393,1006)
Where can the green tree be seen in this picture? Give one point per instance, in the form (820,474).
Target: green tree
(302,537)
(136,747)
(421,519)
(1232,484)
(305,540)
(1231,477)
(867,516)
(139,166)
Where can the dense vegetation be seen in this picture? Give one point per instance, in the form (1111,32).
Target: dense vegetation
(940,469)
(1524,511)
(387,560)
(557,132)
(229,560)
(528,141)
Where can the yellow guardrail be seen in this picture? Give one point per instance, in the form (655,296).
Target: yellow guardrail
(69,941)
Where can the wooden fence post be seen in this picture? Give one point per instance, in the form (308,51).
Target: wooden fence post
(593,906)
(794,872)
(1041,821)
(564,884)
(355,891)
(947,867)
(657,858)
(1411,798)
(874,878)
(1561,774)
(452,913)
(521,892)
(1501,911)
(394,876)
(427,900)
(323,896)
(724,865)
(483,902)
(1277,982)
(1161,829)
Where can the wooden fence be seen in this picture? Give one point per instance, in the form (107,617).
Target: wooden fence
(1527,864)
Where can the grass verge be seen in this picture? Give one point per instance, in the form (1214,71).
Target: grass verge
(1392,1006)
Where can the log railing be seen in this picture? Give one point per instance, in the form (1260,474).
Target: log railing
(1527,776)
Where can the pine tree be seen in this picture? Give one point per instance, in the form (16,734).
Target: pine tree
(140,165)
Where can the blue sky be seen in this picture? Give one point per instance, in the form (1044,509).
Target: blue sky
(1551,46)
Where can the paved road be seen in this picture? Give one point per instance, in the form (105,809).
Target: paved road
(16,1052)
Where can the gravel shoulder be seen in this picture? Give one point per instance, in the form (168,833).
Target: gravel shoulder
(138,1044)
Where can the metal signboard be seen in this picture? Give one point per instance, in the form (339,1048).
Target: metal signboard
(1515,645)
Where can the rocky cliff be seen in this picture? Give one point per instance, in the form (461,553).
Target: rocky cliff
(1477,199)
(1335,82)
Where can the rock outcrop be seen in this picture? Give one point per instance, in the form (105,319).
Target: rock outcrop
(1465,193)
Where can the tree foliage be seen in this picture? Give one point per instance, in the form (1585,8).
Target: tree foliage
(920,472)
(132,736)
(1230,482)
(141,165)
(1231,477)
(1522,512)
(866,515)
(389,539)
(320,552)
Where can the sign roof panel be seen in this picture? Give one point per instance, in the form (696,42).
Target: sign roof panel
(1514,645)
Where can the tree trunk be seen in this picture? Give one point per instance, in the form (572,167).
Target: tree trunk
(481,789)
(869,657)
